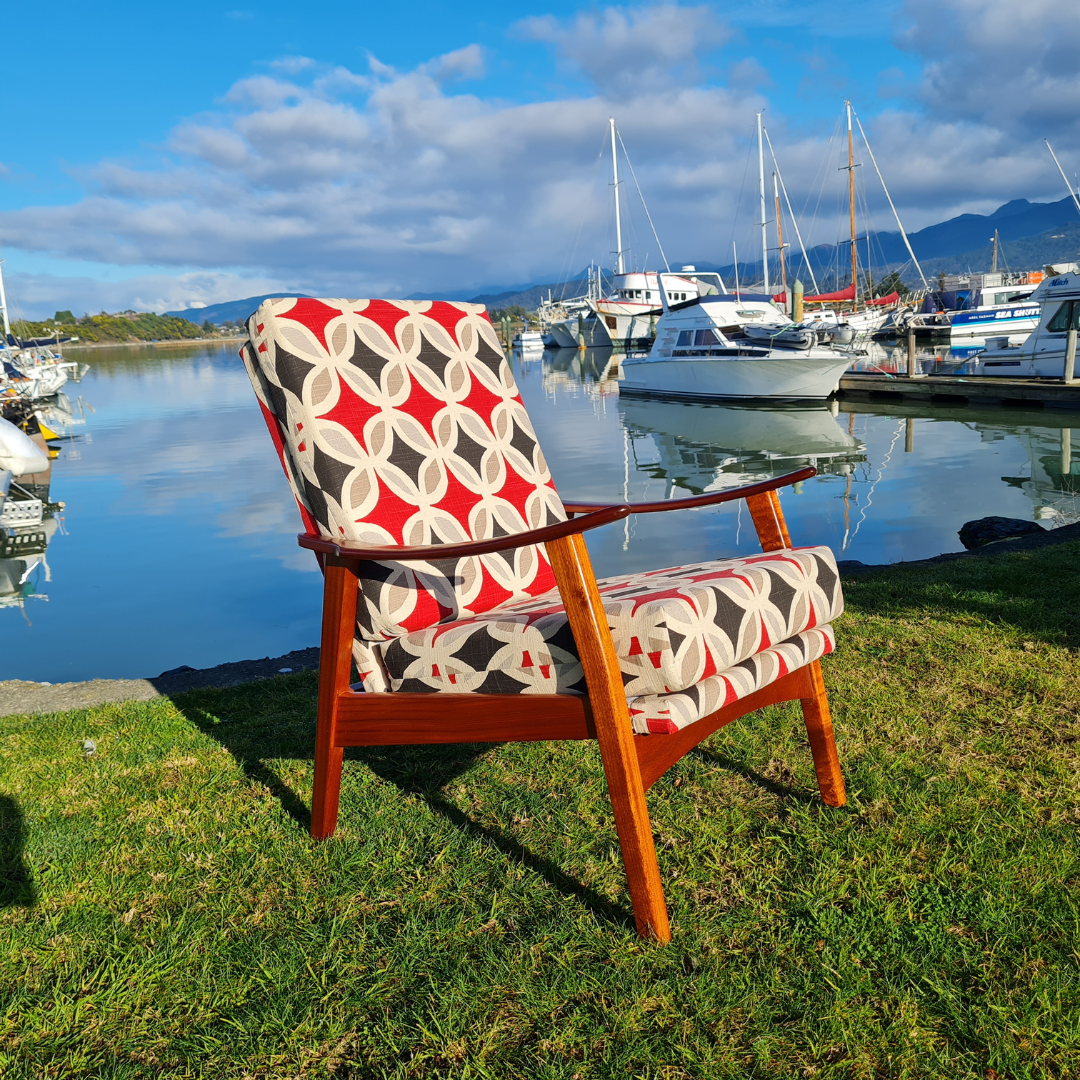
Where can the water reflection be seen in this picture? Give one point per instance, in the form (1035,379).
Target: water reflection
(699,448)
(178,540)
(894,481)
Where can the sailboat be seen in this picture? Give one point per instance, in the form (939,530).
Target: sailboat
(625,316)
(876,310)
(30,370)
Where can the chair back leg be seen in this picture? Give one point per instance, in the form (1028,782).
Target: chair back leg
(819,729)
(607,699)
(335,663)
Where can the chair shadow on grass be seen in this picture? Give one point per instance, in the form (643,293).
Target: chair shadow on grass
(782,791)
(16,885)
(416,770)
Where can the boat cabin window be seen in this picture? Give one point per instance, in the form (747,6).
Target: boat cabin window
(1067,317)
(648,296)
(701,339)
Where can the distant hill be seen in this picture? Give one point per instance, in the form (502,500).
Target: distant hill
(230,311)
(530,296)
(1032,234)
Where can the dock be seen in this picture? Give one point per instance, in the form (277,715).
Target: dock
(960,390)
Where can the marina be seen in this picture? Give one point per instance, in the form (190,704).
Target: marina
(171,504)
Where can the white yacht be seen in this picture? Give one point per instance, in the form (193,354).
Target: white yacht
(703,350)
(1042,353)
(630,311)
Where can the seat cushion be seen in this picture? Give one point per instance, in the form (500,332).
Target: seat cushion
(673,629)
(663,714)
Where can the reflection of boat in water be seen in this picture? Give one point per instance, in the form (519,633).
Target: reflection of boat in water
(700,446)
(22,552)
(26,515)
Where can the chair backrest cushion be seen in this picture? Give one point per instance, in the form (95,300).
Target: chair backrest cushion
(400,423)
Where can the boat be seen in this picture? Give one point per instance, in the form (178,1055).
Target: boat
(19,454)
(30,369)
(876,312)
(702,351)
(22,551)
(528,340)
(624,316)
(1042,353)
(629,312)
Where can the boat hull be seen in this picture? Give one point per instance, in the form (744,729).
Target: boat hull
(995,322)
(797,378)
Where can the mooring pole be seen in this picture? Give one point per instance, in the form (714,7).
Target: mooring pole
(797,301)
(912,364)
(909,434)
(1070,356)
(1066,454)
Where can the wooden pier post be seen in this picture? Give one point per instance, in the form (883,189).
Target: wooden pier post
(797,302)
(912,363)
(909,434)
(1070,356)
(1066,453)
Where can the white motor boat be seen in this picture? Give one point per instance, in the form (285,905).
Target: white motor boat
(1010,311)
(19,454)
(528,340)
(1042,353)
(702,351)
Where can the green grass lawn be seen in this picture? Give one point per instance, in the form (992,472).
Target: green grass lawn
(164,914)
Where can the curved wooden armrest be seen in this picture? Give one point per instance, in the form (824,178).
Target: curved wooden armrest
(708,499)
(346,549)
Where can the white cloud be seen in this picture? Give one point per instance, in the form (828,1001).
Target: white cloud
(39,295)
(622,49)
(389,182)
(992,63)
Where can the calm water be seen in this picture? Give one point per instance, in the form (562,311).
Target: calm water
(177,545)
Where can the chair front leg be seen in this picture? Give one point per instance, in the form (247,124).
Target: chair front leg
(335,663)
(588,623)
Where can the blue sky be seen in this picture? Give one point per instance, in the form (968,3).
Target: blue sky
(162,157)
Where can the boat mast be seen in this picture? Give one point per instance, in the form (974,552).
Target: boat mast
(615,182)
(892,207)
(735,255)
(993,265)
(780,237)
(791,213)
(3,309)
(761,190)
(851,206)
(1062,171)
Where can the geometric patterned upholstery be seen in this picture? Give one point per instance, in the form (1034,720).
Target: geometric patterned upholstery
(672,629)
(400,423)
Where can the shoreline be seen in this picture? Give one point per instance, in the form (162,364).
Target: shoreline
(167,344)
(19,697)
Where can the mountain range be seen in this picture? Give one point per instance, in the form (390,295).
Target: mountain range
(1030,234)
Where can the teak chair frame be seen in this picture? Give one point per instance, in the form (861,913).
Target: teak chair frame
(632,763)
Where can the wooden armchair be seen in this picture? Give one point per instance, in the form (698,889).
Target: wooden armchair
(401,422)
